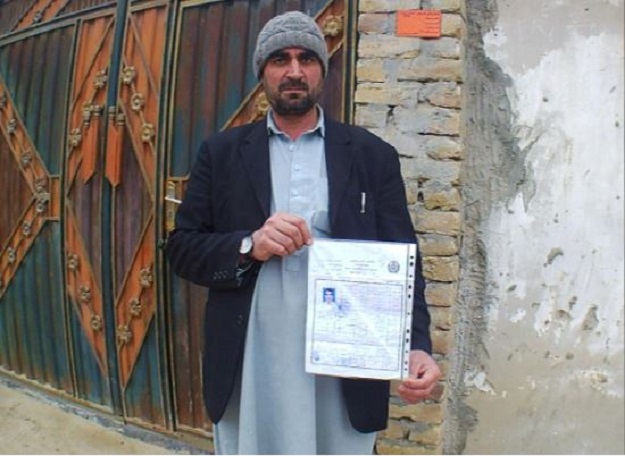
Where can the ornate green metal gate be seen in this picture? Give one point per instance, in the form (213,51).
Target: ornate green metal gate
(103,105)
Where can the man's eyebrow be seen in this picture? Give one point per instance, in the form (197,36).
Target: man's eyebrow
(278,53)
(308,54)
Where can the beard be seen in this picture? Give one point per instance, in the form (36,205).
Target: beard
(291,104)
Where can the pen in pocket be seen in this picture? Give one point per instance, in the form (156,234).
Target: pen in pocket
(363,202)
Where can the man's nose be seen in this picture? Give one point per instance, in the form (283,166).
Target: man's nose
(295,69)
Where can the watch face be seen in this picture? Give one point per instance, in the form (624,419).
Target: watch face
(246,245)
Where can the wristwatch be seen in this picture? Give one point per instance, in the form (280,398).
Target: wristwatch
(247,244)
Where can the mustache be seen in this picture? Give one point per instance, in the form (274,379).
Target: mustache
(293,85)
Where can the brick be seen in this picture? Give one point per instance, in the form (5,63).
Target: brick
(407,144)
(394,430)
(388,46)
(409,94)
(443,365)
(427,169)
(452,25)
(441,294)
(443,200)
(430,436)
(442,94)
(412,192)
(405,95)
(377,93)
(441,269)
(438,245)
(371,115)
(442,48)
(394,385)
(427,69)
(444,5)
(445,223)
(440,196)
(375,23)
(370,70)
(442,318)
(420,412)
(386,6)
(442,341)
(426,120)
(443,148)
(389,448)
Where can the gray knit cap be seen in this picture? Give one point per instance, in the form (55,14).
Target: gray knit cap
(291,29)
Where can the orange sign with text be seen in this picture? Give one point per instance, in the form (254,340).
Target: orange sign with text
(422,23)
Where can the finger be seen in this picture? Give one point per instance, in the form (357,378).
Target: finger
(298,229)
(424,370)
(289,236)
(281,235)
(304,232)
(427,379)
(265,246)
(275,243)
(295,237)
(413,395)
(413,386)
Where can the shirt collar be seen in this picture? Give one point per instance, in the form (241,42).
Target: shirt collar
(320,127)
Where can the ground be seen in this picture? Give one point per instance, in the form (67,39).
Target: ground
(32,422)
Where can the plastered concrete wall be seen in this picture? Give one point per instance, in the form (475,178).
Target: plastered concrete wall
(538,364)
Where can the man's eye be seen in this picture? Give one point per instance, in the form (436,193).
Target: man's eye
(278,61)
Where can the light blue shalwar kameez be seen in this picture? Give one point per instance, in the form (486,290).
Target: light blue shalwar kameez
(277,408)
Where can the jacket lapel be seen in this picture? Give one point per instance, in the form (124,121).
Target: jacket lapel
(338,163)
(255,157)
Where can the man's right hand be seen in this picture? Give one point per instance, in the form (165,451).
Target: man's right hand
(281,235)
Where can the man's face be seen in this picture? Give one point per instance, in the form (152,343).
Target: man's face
(293,81)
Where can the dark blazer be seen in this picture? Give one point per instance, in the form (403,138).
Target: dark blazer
(228,197)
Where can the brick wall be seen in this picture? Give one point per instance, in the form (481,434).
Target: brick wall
(409,92)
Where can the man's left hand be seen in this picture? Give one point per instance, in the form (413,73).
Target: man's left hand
(424,375)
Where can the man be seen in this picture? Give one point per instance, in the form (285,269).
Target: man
(257,197)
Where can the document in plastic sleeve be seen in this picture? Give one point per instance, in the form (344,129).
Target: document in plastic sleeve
(359,314)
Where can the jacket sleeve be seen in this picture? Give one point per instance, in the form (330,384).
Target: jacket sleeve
(194,249)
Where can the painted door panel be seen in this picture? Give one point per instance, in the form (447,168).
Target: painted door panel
(33,334)
(214,88)
(131,170)
(84,192)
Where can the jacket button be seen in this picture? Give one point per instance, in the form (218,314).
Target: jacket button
(239,319)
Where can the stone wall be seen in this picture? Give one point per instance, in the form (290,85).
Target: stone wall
(409,92)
